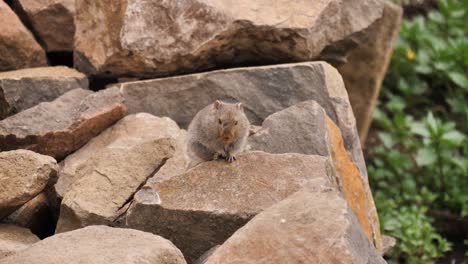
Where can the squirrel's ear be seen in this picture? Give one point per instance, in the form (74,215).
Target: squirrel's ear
(240,106)
(217,104)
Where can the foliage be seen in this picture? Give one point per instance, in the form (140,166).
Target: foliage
(422,161)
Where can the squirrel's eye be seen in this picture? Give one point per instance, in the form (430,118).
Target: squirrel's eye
(219,121)
(235,123)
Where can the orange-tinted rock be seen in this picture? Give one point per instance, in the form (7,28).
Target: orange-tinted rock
(59,127)
(18,48)
(14,239)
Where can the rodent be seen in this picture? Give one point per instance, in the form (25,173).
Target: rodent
(219,130)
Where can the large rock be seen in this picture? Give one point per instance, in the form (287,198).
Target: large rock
(59,127)
(18,49)
(150,38)
(35,215)
(263,90)
(50,20)
(204,206)
(23,175)
(314,225)
(367,64)
(22,89)
(14,239)
(98,245)
(100,178)
(305,128)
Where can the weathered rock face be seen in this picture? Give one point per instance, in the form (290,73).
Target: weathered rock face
(22,89)
(367,64)
(204,206)
(14,239)
(59,127)
(51,21)
(310,226)
(305,128)
(100,178)
(100,244)
(18,49)
(23,175)
(35,215)
(148,38)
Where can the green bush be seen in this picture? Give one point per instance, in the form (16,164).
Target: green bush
(422,162)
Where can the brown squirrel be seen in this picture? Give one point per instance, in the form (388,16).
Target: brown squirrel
(219,130)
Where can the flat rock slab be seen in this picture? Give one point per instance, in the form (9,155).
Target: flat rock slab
(18,48)
(305,128)
(14,239)
(100,178)
(51,21)
(314,225)
(100,245)
(24,174)
(22,89)
(151,38)
(59,127)
(203,207)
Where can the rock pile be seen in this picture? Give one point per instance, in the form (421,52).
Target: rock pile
(100,173)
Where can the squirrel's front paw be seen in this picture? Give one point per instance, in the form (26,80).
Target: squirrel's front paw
(230,158)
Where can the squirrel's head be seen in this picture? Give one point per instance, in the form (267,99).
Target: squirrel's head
(228,117)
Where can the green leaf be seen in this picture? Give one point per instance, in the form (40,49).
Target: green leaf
(459,79)
(454,137)
(386,139)
(425,157)
(419,129)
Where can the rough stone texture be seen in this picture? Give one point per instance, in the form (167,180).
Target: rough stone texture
(367,64)
(22,89)
(150,38)
(59,127)
(262,90)
(305,128)
(50,20)
(18,49)
(388,243)
(14,239)
(310,226)
(100,245)
(35,215)
(204,206)
(23,175)
(100,178)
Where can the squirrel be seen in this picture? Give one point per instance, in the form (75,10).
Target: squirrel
(219,130)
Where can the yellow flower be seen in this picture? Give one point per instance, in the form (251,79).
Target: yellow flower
(409,54)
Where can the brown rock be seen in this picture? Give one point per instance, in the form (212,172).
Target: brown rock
(51,21)
(305,128)
(314,225)
(367,64)
(35,215)
(203,207)
(22,89)
(14,239)
(18,49)
(24,174)
(62,126)
(100,178)
(98,245)
(148,38)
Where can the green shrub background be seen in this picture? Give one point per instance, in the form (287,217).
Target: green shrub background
(421,163)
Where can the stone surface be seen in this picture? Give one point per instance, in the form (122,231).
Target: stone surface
(314,225)
(59,127)
(204,206)
(51,21)
(151,38)
(18,49)
(14,239)
(35,215)
(100,178)
(22,89)
(24,174)
(305,128)
(364,72)
(100,245)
